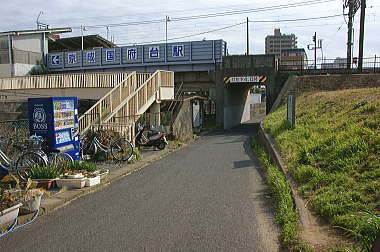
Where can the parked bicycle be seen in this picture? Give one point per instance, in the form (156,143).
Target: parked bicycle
(120,149)
(26,161)
(55,156)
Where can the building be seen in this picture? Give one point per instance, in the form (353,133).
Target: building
(75,43)
(274,44)
(20,51)
(293,59)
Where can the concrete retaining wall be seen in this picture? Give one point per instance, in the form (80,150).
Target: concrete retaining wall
(313,83)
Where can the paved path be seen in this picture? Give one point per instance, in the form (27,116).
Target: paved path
(209,196)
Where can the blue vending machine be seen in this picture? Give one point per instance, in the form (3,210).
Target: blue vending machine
(56,120)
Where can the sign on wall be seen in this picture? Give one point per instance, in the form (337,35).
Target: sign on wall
(245,79)
(56,60)
(132,53)
(178,51)
(110,55)
(91,57)
(154,52)
(71,58)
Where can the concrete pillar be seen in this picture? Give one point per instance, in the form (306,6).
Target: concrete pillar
(236,106)
(155,118)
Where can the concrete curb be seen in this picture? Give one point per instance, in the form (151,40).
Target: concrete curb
(269,146)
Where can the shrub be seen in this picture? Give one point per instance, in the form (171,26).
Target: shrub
(83,166)
(45,172)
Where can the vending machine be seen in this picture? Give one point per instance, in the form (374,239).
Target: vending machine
(56,120)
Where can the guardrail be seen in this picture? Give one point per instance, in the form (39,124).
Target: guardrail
(83,80)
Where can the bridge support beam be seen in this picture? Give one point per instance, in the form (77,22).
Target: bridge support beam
(155,117)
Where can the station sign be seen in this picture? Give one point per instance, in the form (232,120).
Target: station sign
(245,79)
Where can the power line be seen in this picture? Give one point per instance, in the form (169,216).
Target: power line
(230,26)
(293,20)
(212,15)
(191,35)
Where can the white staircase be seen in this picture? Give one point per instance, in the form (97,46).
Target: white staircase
(126,102)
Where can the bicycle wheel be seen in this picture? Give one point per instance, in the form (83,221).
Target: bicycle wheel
(87,148)
(26,162)
(61,160)
(121,149)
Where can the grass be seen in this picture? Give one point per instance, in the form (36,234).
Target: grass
(333,153)
(286,214)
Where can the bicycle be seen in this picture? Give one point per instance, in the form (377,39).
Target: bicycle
(26,161)
(54,156)
(121,149)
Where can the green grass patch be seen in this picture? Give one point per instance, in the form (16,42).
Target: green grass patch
(333,153)
(286,214)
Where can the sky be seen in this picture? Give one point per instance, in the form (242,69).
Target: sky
(22,14)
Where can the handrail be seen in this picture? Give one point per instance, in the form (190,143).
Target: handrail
(82,80)
(131,97)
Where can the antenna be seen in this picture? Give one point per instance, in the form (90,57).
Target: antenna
(38,18)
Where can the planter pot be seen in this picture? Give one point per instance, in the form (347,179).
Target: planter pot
(31,206)
(75,183)
(93,181)
(46,183)
(9,214)
(74,176)
(102,173)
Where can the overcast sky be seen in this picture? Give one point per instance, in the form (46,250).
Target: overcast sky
(22,14)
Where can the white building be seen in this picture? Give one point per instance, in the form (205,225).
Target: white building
(20,51)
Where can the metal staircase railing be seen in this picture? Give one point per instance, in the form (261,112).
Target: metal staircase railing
(131,97)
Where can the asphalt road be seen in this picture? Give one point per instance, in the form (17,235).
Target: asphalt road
(209,196)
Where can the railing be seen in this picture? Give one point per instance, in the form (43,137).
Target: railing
(110,101)
(132,97)
(339,65)
(84,80)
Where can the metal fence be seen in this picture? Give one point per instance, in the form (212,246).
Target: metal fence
(14,131)
(338,65)
(18,129)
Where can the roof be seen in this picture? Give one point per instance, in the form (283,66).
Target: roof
(293,50)
(75,43)
(25,32)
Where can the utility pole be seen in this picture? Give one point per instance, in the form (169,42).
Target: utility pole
(349,33)
(315,50)
(361,36)
(247,36)
(81,30)
(167,19)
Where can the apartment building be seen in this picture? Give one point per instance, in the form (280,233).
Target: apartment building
(278,42)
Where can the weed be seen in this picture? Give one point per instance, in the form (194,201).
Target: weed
(334,155)
(286,213)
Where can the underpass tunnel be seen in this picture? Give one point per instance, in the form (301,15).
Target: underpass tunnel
(236,105)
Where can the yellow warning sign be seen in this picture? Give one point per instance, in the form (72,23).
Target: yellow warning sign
(245,79)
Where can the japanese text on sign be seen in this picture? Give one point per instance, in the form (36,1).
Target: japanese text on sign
(178,51)
(91,57)
(154,52)
(110,55)
(132,53)
(245,79)
(71,58)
